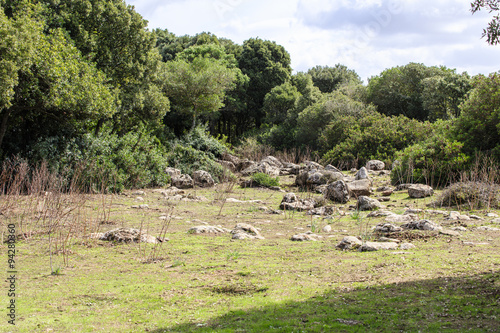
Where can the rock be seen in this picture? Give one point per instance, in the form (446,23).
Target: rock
(421,225)
(420,191)
(338,192)
(402,187)
(366,203)
(384,199)
(129,235)
(459,228)
(245,231)
(476,217)
(330,167)
(386,228)
(322,177)
(304,237)
(387,193)
(378,213)
(406,246)
(349,242)
(492,215)
(323,211)
(244,164)
(290,168)
(385,239)
(182,181)
(173,172)
(375,165)
(395,218)
(207,229)
(313,165)
(362,174)
(227,165)
(376,246)
(495,221)
(358,188)
(487,229)
(448,232)
(327,228)
(272,161)
(262,167)
(300,205)
(139,193)
(203,179)
(230,158)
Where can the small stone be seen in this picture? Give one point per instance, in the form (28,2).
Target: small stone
(327,228)
(447,232)
(406,246)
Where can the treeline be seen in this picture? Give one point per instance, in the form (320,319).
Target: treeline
(84,84)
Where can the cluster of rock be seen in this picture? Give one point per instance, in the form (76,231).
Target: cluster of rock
(199,178)
(127,235)
(240,231)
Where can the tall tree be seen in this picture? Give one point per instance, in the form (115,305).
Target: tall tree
(198,86)
(267,64)
(328,79)
(113,36)
(49,89)
(492,31)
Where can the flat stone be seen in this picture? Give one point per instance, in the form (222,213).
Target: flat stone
(377,246)
(448,232)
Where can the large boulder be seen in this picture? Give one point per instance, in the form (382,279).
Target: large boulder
(358,188)
(268,166)
(420,191)
(375,165)
(338,192)
(272,161)
(367,203)
(203,179)
(315,178)
(183,181)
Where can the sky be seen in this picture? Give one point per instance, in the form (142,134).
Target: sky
(367,36)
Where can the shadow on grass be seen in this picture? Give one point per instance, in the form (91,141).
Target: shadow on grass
(469,303)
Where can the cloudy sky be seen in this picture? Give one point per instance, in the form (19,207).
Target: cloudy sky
(365,35)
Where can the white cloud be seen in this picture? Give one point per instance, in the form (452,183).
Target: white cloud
(365,35)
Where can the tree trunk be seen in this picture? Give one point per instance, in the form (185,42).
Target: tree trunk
(3,126)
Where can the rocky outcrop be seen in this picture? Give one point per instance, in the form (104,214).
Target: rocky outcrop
(291,202)
(203,179)
(183,182)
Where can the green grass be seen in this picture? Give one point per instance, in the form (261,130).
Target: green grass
(213,284)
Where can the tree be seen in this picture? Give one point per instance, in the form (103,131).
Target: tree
(479,123)
(50,87)
(113,36)
(443,94)
(399,90)
(328,79)
(279,102)
(267,64)
(198,87)
(492,32)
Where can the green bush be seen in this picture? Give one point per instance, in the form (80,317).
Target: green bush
(349,140)
(200,139)
(189,160)
(436,161)
(135,160)
(265,180)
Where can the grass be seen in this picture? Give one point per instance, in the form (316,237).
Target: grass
(212,284)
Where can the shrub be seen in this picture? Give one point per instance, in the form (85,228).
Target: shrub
(348,140)
(135,160)
(436,161)
(470,195)
(189,160)
(265,180)
(200,139)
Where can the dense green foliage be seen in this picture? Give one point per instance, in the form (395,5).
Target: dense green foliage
(85,83)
